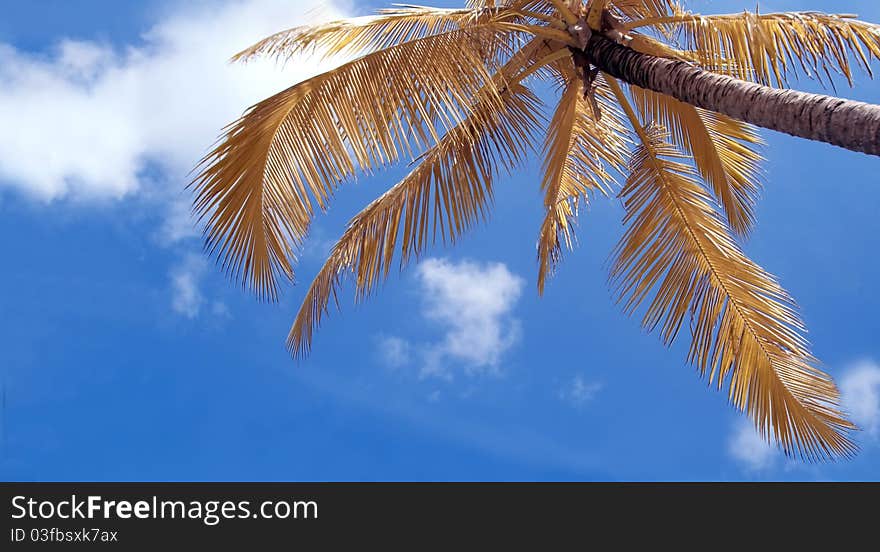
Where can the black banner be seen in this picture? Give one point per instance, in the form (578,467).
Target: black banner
(133,516)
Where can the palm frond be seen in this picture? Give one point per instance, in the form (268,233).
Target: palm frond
(653,47)
(582,149)
(722,149)
(443,196)
(638,10)
(545,7)
(744,326)
(362,35)
(768,48)
(257,187)
(635,10)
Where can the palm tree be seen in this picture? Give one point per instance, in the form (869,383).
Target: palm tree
(654,106)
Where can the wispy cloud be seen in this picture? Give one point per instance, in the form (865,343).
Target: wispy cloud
(860,388)
(394,351)
(749,449)
(511,441)
(186,294)
(178,223)
(579,391)
(186,282)
(90,118)
(471,303)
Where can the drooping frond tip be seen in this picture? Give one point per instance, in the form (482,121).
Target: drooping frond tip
(585,147)
(744,328)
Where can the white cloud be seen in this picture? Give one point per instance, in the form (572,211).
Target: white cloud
(220,310)
(186,294)
(579,391)
(749,449)
(472,303)
(88,120)
(186,283)
(395,351)
(179,223)
(860,390)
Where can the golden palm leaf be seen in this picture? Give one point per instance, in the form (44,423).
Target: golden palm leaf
(257,187)
(639,10)
(744,327)
(768,48)
(721,147)
(647,45)
(635,10)
(582,149)
(444,195)
(362,35)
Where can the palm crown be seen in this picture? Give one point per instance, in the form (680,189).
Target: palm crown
(450,88)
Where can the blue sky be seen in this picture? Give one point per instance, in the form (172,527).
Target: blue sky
(127,356)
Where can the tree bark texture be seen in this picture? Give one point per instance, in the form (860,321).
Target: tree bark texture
(846,123)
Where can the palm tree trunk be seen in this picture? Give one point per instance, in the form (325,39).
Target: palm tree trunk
(846,123)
